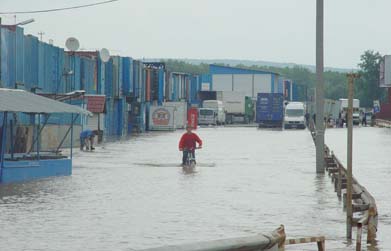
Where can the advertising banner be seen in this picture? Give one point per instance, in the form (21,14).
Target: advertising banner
(385,72)
(161,118)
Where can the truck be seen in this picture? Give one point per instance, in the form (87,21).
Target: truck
(343,107)
(270,110)
(218,108)
(294,115)
(234,105)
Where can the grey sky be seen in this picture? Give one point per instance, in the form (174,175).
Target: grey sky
(272,30)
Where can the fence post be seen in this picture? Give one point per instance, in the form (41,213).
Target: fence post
(371,235)
(358,238)
(339,184)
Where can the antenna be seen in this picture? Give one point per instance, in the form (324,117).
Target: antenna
(104,55)
(41,33)
(72,44)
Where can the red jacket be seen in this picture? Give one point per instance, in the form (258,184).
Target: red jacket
(188,141)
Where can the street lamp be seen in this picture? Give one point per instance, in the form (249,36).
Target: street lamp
(28,21)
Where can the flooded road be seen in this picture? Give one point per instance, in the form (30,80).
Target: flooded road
(372,167)
(132,194)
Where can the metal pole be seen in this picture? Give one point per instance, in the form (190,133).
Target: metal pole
(3,143)
(38,135)
(12,138)
(72,137)
(319,89)
(349,188)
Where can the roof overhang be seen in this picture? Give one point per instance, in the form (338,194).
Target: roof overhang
(12,100)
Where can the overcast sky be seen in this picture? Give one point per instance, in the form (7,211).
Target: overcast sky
(271,30)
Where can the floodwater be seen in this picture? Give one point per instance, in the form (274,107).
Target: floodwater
(131,195)
(371,167)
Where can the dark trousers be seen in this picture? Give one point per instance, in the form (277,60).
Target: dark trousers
(185,154)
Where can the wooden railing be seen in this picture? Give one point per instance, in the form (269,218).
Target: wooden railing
(362,202)
(382,123)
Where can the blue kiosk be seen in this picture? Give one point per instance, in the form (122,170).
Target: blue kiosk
(33,164)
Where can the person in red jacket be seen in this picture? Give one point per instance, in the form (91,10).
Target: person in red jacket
(188,143)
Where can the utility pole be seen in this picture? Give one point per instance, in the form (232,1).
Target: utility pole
(41,33)
(319,140)
(349,185)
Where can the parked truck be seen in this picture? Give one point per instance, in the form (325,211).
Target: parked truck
(234,105)
(218,107)
(294,115)
(343,107)
(270,110)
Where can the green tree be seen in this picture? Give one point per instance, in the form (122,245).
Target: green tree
(367,87)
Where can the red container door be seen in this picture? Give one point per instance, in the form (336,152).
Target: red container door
(192,117)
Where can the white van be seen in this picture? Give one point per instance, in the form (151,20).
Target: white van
(218,107)
(207,116)
(294,115)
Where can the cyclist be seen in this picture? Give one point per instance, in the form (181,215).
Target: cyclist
(188,143)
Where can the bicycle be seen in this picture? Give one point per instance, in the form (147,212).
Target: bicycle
(190,161)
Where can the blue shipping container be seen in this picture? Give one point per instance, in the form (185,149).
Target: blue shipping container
(270,108)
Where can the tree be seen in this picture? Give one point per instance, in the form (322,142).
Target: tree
(367,87)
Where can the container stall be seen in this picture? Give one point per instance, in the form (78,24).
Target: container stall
(178,86)
(155,82)
(193,91)
(108,77)
(8,50)
(30,72)
(88,75)
(136,110)
(72,72)
(137,78)
(110,117)
(127,76)
(50,67)
(119,118)
(117,76)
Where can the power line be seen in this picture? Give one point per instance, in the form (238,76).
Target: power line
(57,9)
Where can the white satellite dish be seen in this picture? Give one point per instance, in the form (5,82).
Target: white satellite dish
(72,44)
(104,55)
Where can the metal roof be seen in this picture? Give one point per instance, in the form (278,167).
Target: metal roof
(221,69)
(12,100)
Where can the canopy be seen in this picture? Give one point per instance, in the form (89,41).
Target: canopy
(12,100)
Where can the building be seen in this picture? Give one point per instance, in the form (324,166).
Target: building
(249,82)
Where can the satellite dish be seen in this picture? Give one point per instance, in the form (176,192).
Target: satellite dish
(104,55)
(72,44)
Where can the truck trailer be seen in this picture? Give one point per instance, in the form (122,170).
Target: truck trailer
(234,105)
(270,110)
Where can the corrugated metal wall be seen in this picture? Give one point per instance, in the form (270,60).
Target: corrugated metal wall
(130,88)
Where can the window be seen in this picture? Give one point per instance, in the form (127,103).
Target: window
(294,112)
(206,112)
